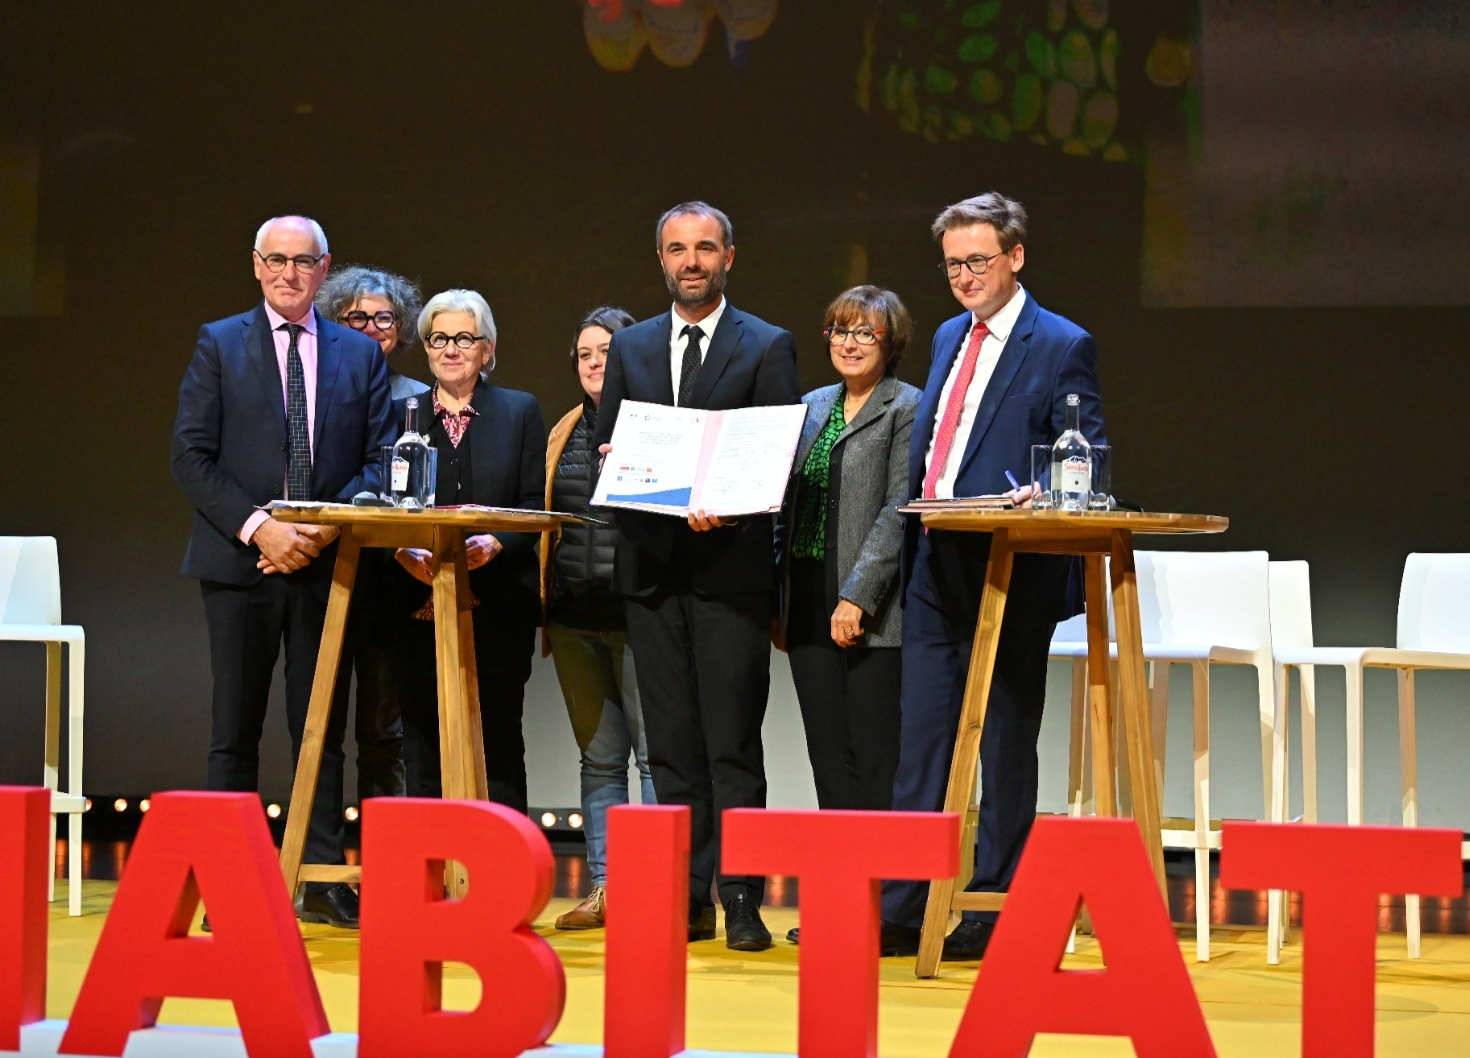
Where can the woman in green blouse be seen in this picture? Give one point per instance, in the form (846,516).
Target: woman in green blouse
(841,533)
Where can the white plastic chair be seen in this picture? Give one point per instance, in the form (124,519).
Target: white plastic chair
(1203,609)
(1433,633)
(30,611)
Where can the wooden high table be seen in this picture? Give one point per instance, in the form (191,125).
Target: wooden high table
(1096,536)
(461,738)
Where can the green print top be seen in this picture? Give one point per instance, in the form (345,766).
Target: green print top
(809,535)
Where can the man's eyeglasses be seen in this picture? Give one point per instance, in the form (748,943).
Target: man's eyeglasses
(978,264)
(861,335)
(358,321)
(462,340)
(277,262)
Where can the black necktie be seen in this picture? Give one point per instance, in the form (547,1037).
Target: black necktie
(689,369)
(298,466)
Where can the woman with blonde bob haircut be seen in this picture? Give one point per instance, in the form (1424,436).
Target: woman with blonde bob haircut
(492,446)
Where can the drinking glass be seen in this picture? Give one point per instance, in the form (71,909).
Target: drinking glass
(431,477)
(1100,498)
(385,472)
(1041,475)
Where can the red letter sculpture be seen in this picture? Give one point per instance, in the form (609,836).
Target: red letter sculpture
(1144,993)
(1340,872)
(647,931)
(409,930)
(216,846)
(841,858)
(25,833)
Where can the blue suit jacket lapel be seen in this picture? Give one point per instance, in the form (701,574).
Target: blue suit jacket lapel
(721,347)
(947,346)
(328,366)
(660,368)
(1011,358)
(260,347)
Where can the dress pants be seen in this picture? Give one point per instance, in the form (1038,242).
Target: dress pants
(246,628)
(503,650)
(377,725)
(849,698)
(936,660)
(704,673)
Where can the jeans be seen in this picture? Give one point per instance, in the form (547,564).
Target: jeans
(600,685)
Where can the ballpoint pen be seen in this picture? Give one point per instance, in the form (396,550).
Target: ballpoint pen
(1012,479)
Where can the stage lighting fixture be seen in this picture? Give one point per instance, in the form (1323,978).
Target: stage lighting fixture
(351,813)
(120,805)
(274,811)
(144,805)
(575,821)
(86,804)
(548,819)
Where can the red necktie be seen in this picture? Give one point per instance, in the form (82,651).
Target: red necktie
(950,421)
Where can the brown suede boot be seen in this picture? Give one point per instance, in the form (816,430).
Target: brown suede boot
(589,914)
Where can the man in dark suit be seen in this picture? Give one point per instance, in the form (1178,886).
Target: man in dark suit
(701,596)
(998,383)
(277,402)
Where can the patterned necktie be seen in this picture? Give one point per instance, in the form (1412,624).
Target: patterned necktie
(298,466)
(689,369)
(950,421)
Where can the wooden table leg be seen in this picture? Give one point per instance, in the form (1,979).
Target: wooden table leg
(319,711)
(967,741)
(1100,687)
(474,744)
(448,566)
(1133,693)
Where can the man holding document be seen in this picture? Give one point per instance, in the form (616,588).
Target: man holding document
(701,588)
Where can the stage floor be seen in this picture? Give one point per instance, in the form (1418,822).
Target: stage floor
(742,1002)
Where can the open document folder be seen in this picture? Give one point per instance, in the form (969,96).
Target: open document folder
(677,460)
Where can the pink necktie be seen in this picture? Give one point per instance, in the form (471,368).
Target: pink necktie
(950,421)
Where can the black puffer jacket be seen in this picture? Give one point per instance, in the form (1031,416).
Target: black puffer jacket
(583,564)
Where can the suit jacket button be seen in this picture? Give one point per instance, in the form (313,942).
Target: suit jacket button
(283,446)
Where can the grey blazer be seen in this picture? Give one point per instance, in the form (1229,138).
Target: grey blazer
(869,483)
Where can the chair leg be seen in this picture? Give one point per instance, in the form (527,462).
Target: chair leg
(1158,707)
(1201,672)
(1276,912)
(76,699)
(1355,745)
(1079,765)
(1307,677)
(1124,770)
(1077,770)
(51,770)
(1409,773)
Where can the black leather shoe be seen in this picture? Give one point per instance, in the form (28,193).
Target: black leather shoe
(744,930)
(204,925)
(892,940)
(701,923)
(968,941)
(334,906)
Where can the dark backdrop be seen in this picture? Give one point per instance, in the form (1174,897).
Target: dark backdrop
(481,145)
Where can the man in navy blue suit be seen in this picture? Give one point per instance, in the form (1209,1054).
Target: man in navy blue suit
(998,383)
(277,402)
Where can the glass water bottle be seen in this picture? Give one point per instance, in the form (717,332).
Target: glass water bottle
(1071,463)
(411,485)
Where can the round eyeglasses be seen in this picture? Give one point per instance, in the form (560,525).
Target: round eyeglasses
(978,264)
(277,262)
(861,335)
(462,340)
(358,320)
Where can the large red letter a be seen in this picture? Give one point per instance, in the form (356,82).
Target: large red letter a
(217,845)
(1144,993)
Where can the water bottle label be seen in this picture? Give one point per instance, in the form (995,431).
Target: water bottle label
(1076,475)
(400,474)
